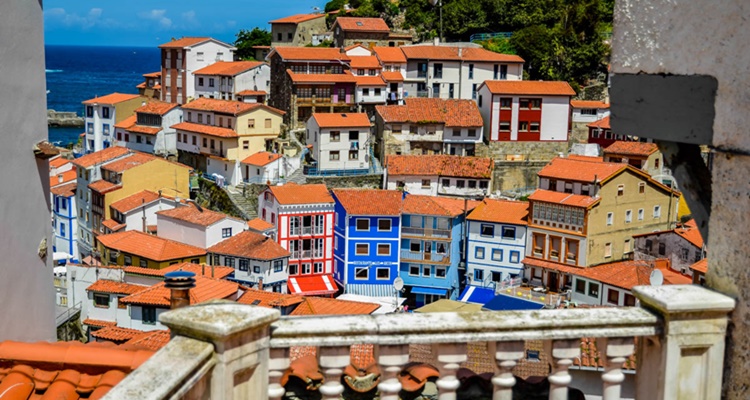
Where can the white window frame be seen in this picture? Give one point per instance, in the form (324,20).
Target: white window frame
(628,216)
(356,252)
(641,213)
(381,269)
(358,278)
(657,211)
(390,225)
(356,224)
(383,244)
(610,218)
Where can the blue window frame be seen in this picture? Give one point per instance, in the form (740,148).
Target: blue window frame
(278,266)
(487,230)
(509,232)
(479,253)
(226,232)
(62,229)
(479,275)
(497,255)
(515,256)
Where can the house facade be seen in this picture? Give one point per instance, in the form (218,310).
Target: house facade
(150,130)
(296,30)
(366,247)
(146,251)
(258,261)
(443,175)
(151,85)
(588,111)
(341,143)
(683,246)
(525,111)
(369,32)
(371,88)
(137,212)
(393,63)
(225,80)
(65,222)
(642,155)
(197,226)
(102,113)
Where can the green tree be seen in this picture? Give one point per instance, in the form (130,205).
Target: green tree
(245,40)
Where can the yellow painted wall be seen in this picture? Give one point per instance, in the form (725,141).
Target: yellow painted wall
(683,208)
(256,136)
(599,233)
(127,108)
(136,260)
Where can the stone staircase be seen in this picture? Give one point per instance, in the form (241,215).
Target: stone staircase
(297,177)
(247,207)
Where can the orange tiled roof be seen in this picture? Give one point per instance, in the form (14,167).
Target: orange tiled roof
(252,93)
(700,266)
(205,289)
(149,246)
(225,106)
(390,54)
(369,201)
(100,156)
(192,215)
(342,120)
(112,98)
(153,340)
(113,225)
(585,158)
(206,129)
(228,68)
(116,333)
(537,88)
(216,271)
(441,165)
(292,193)
(580,170)
(501,211)
(67,176)
(310,53)
(263,298)
(370,80)
(134,201)
(628,148)
(98,323)
(365,62)
(432,205)
(58,162)
(362,24)
(102,186)
(156,74)
(146,130)
(296,19)
(259,225)
(109,286)
(321,78)
(602,123)
(249,244)
(156,107)
(451,112)
(568,199)
(261,158)
(689,231)
(588,104)
(124,164)
(127,122)
(183,42)
(65,190)
(392,76)
(328,306)
(452,53)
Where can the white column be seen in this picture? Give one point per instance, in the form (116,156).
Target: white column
(562,352)
(506,356)
(332,361)
(615,352)
(391,358)
(449,356)
(277,364)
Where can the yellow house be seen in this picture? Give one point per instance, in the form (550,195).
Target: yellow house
(147,251)
(217,134)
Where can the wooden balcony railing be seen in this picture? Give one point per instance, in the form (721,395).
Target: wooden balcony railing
(223,350)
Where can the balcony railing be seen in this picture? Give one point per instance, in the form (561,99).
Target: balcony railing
(224,350)
(423,256)
(427,232)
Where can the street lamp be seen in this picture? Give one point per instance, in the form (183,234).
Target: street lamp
(439,3)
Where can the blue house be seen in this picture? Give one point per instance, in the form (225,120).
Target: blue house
(64,222)
(431,240)
(366,240)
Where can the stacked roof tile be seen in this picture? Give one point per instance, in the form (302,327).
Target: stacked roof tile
(228,68)
(248,244)
(206,129)
(429,52)
(369,201)
(134,201)
(157,107)
(451,112)
(296,19)
(310,53)
(148,246)
(628,148)
(342,120)
(432,205)
(501,211)
(205,289)
(101,156)
(440,165)
(213,271)
(192,215)
(114,287)
(292,193)
(261,158)
(184,42)
(531,88)
(113,98)
(577,169)
(567,199)
(357,24)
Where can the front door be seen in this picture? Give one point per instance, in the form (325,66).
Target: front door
(552,281)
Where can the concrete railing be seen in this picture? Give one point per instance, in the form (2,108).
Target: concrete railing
(225,350)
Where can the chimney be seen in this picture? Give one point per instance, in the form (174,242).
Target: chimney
(179,283)
(260,283)
(436,41)
(59,178)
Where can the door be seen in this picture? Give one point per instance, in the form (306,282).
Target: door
(435,90)
(552,283)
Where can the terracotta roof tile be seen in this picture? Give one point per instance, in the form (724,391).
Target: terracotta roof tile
(602,123)
(369,201)
(390,54)
(342,120)
(226,106)
(134,201)
(451,112)
(157,107)
(296,19)
(364,62)
(310,53)
(585,158)
(153,340)
(292,193)
(328,306)
(58,162)
(108,286)
(568,199)
(392,76)
(452,53)
(259,225)
(591,357)
(102,186)
(146,130)
(127,122)
(149,246)
(321,78)
(689,231)
(101,156)
(261,158)
(251,245)
(370,80)
(264,298)
(501,211)
(252,93)
(580,170)
(98,323)
(629,148)
(535,88)
(700,266)
(432,205)
(113,98)
(193,215)
(183,42)
(124,164)
(116,333)
(217,271)
(113,225)
(362,24)
(206,129)
(205,289)
(228,68)
(156,74)
(440,165)
(64,190)
(588,104)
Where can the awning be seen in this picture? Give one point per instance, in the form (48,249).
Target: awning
(371,290)
(508,303)
(311,285)
(427,290)
(477,295)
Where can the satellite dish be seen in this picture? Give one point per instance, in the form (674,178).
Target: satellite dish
(656,278)
(398,283)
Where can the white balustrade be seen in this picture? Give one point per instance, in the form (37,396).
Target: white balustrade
(391,359)
(332,361)
(614,351)
(563,353)
(506,355)
(277,364)
(448,357)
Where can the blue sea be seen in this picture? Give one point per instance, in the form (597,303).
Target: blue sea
(78,73)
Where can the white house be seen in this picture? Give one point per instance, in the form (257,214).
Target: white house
(434,175)
(196,226)
(455,72)
(65,222)
(497,241)
(137,212)
(257,259)
(371,88)
(264,166)
(588,111)
(150,129)
(225,79)
(340,142)
(102,113)
(525,111)
(393,63)
(103,302)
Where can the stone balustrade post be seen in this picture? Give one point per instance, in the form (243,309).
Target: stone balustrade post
(562,352)
(686,360)
(240,335)
(449,356)
(278,363)
(332,361)
(615,352)
(507,355)
(391,359)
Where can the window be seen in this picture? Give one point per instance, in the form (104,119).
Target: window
(377,91)
(656,163)
(627,248)
(505,102)
(662,249)
(361,273)
(205,142)
(101,300)
(251,123)
(293,269)
(580,286)
(384,225)
(471,72)
(642,188)
(256,269)
(353,155)
(504,126)
(509,232)
(479,253)
(608,250)
(613,296)
(437,70)
(426,271)
(278,265)
(487,230)
(479,101)
(472,132)
(479,275)
(620,190)
(610,218)
(210,83)
(535,103)
(414,270)
(128,260)
(425,183)
(421,70)
(440,272)
(657,211)
(497,255)
(629,300)
(105,112)
(363,224)
(229,261)
(534,126)
(460,183)
(446,182)
(363,249)
(306,268)
(628,216)
(415,246)
(365,92)
(149,315)
(472,184)
(593,289)
(90,111)
(226,232)
(268,123)
(474,91)
(384,249)
(640,214)
(335,136)
(588,111)
(523,126)
(515,257)
(383,273)
(333,156)
(143,263)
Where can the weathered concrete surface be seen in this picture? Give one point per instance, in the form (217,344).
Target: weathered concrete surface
(364,181)
(62,118)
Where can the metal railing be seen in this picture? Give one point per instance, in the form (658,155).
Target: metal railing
(427,232)
(66,315)
(424,256)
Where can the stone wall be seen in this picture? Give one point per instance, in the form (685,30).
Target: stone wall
(214,198)
(516,177)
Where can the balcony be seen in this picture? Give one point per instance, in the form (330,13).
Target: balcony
(222,350)
(424,256)
(426,232)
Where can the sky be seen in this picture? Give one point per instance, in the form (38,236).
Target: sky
(149,23)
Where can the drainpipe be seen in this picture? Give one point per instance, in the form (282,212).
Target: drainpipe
(179,283)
